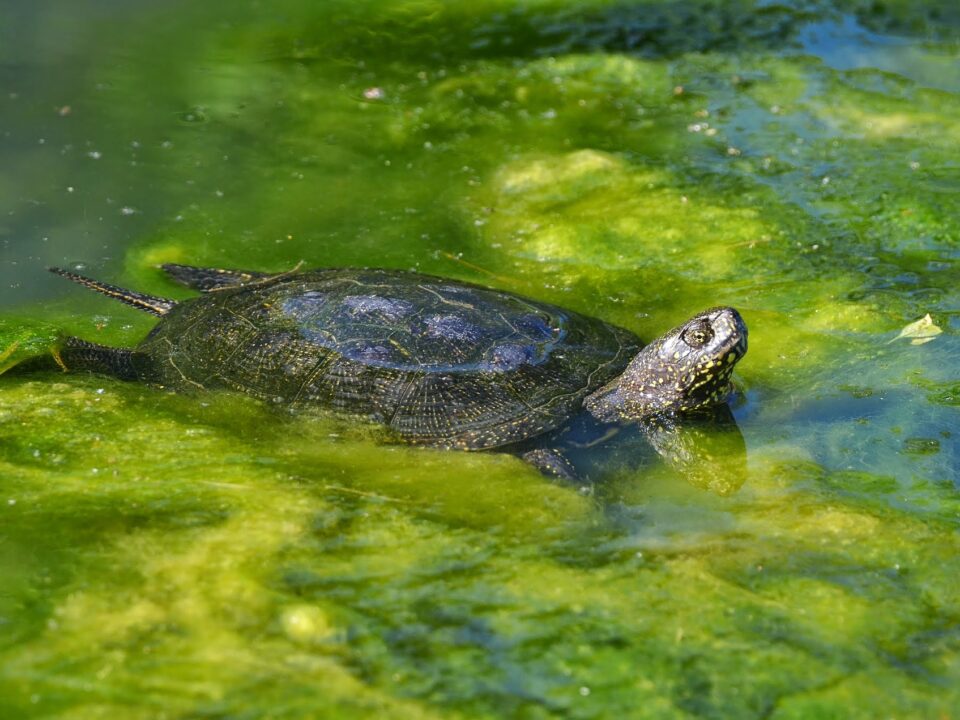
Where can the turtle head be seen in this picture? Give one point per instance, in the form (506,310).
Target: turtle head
(687,368)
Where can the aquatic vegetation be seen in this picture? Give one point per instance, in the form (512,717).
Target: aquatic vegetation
(167,555)
(22,339)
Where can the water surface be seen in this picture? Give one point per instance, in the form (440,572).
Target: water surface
(203,556)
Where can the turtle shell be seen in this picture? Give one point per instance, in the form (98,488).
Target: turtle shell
(440,362)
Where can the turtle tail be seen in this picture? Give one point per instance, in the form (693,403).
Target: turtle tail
(141,301)
(76,354)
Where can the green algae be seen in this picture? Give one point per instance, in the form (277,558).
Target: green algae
(24,339)
(204,555)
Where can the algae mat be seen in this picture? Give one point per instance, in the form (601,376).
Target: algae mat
(167,556)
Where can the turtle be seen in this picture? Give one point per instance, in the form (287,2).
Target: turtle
(436,361)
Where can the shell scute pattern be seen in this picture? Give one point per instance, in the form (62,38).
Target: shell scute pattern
(535,327)
(442,363)
(452,327)
(364,351)
(507,357)
(375,308)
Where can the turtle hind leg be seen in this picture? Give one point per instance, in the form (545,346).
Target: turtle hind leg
(206,279)
(76,354)
(149,303)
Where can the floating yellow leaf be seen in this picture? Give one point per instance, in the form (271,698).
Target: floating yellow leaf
(922,331)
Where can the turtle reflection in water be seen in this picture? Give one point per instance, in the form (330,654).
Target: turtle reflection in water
(439,362)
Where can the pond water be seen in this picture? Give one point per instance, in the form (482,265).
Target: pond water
(175,556)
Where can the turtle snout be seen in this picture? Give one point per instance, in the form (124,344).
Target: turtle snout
(728,325)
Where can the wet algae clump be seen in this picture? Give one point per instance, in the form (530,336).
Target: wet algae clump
(166,555)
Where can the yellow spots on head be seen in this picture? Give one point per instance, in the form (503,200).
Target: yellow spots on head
(676,355)
(731,358)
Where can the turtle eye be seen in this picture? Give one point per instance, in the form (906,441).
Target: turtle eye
(698,335)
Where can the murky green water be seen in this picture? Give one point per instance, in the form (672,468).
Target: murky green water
(167,556)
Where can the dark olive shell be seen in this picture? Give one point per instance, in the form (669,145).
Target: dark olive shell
(440,362)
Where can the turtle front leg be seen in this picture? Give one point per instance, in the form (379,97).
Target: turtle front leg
(551,463)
